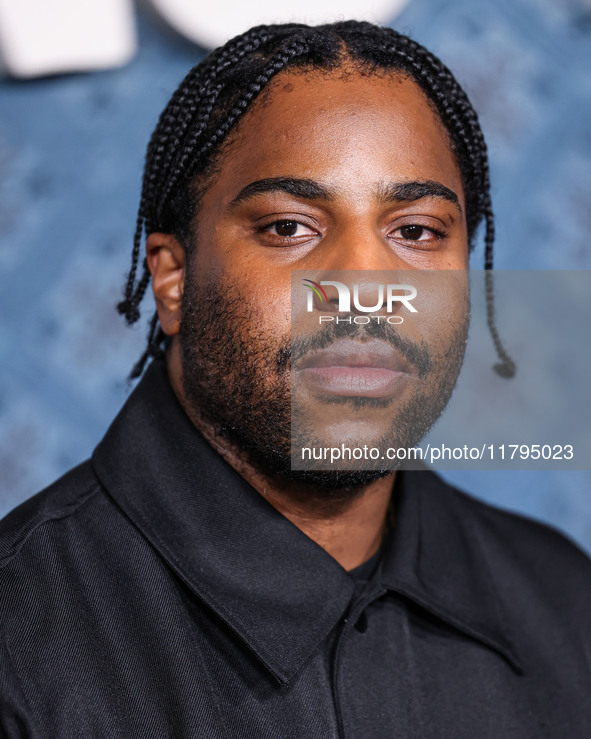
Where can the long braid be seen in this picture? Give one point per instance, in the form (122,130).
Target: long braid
(506,367)
(216,93)
(153,349)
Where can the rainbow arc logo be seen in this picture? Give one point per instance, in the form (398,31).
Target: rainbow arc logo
(318,289)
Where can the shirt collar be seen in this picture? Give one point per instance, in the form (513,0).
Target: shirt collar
(274,587)
(436,557)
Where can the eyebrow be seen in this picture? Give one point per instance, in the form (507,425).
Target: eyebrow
(408,192)
(396,192)
(301,188)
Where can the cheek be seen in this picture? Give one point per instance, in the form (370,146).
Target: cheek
(225,262)
(442,305)
(269,301)
(262,299)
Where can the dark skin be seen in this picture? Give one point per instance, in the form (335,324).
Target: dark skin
(354,137)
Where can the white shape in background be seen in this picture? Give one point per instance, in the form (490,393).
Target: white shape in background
(39,37)
(212,24)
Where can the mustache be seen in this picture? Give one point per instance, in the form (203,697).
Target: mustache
(416,353)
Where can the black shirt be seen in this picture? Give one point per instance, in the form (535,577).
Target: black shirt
(151,592)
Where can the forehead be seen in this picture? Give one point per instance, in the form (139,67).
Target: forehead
(343,128)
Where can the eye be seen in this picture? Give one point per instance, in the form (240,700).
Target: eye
(288,229)
(415,233)
(418,233)
(286,232)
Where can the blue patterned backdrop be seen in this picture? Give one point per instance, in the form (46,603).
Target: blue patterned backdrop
(71,151)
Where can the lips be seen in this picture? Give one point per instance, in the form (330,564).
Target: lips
(371,369)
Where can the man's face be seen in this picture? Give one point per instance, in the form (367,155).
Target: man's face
(311,181)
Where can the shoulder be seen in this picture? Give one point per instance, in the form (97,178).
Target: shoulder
(51,539)
(531,561)
(521,537)
(46,547)
(55,549)
(60,501)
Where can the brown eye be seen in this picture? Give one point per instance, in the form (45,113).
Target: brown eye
(286,228)
(412,233)
(286,232)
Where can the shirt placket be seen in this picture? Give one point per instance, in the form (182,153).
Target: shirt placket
(354,619)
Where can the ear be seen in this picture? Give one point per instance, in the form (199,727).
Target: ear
(166,262)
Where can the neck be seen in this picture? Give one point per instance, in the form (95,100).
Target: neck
(350,531)
(348,524)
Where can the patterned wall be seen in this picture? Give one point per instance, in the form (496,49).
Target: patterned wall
(71,151)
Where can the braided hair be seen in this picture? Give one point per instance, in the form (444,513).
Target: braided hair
(217,92)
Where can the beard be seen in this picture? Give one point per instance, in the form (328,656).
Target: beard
(237,379)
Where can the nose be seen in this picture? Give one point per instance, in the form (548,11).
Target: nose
(360,259)
(359,248)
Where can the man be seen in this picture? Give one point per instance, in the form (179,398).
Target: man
(185,581)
